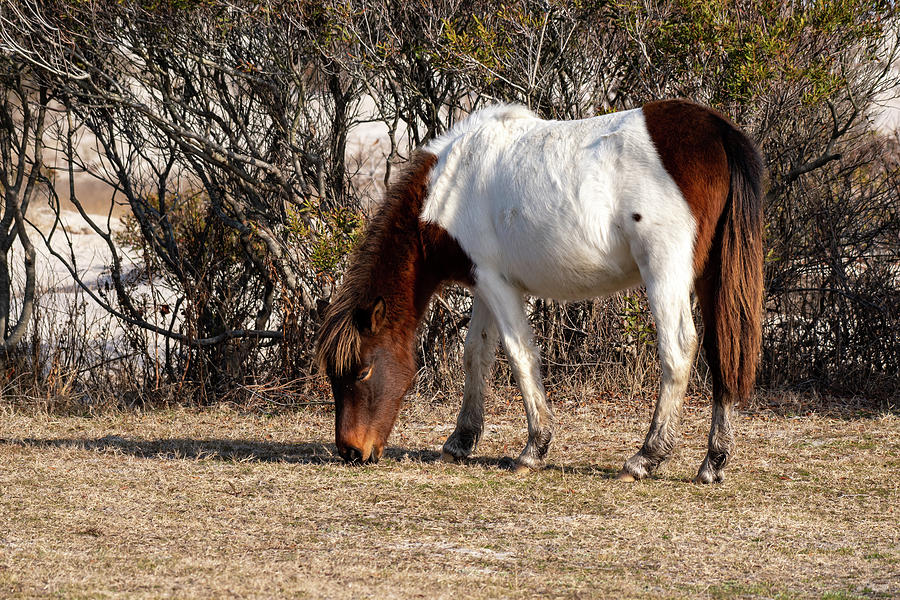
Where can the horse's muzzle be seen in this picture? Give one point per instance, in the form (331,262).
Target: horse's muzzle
(354,456)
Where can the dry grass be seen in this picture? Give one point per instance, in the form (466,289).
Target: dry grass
(212,503)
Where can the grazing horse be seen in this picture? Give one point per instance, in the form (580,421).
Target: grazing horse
(509,204)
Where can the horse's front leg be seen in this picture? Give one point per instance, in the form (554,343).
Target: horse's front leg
(478,359)
(507,305)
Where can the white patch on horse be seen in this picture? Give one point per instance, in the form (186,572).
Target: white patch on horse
(549,204)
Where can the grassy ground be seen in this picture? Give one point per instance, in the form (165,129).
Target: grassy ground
(212,503)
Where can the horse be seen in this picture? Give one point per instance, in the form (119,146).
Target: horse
(510,205)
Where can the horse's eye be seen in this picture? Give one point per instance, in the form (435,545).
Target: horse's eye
(364,374)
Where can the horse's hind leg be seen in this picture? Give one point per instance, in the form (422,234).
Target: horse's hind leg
(721,432)
(721,440)
(478,358)
(676,344)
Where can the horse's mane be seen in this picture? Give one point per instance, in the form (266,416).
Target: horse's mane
(393,228)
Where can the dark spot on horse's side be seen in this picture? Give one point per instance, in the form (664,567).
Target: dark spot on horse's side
(636,217)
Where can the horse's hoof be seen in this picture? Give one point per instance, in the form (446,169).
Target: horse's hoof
(705,478)
(710,474)
(448,458)
(520,470)
(625,476)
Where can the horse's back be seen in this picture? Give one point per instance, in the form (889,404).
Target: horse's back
(562,208)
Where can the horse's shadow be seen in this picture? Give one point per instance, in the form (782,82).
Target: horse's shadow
(227,450)
(250,451)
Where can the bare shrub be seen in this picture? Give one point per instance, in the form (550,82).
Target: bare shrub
(64,363)
(225,128)
(833,278)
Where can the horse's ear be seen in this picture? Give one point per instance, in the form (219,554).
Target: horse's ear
(379,314)
(370,320)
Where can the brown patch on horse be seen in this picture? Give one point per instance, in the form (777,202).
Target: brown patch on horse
(400,260)
(720,174)
(688,139)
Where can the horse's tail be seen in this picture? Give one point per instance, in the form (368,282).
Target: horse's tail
(730,288)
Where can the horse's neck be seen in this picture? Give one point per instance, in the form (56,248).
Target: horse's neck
(415,283)
(417,269)
(442,260)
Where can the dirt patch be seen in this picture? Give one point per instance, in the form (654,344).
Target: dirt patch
(216,503)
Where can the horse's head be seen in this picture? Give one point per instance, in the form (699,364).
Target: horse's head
(370,369)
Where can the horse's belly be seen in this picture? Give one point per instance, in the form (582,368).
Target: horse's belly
(568,269)
(588,283)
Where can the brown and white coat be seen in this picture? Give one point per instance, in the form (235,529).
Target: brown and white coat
(511,205)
